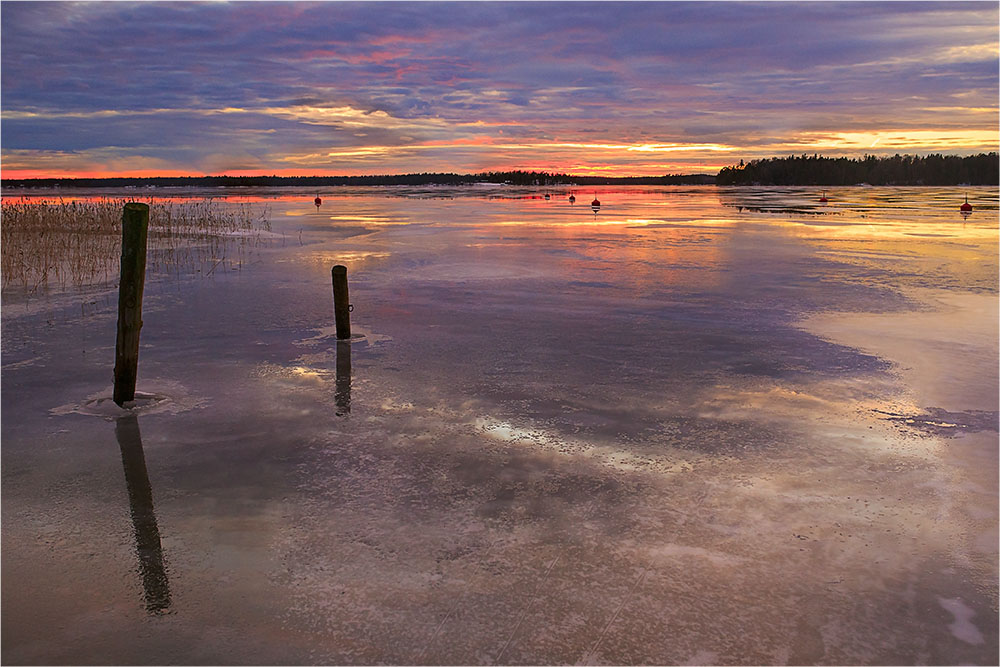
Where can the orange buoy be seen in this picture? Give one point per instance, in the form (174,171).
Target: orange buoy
(966,207)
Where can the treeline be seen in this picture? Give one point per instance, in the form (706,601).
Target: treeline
(237,181)
(545,178)
(982,169)
(506,177)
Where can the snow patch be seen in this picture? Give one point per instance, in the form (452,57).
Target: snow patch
(962,628)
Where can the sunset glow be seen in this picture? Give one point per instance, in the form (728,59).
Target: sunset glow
(368,88)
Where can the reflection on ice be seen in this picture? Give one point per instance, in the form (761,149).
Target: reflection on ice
(147,534)
(343,392)
(543,441)
(697,434)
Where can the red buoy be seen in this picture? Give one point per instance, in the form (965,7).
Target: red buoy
(596,205)
(317,201)
(966,207)
(823,198)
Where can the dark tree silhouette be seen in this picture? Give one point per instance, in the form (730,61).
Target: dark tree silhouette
(935,169)
(509,177)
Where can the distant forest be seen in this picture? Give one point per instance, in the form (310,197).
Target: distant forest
(526,178)
(982,169)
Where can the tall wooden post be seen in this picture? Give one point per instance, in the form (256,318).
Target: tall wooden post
(341,302)
(135,222)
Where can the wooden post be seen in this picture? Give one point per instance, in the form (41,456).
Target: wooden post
(135,222)
(341,302)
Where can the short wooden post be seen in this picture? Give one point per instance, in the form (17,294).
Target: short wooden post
(341,302)
(135,222)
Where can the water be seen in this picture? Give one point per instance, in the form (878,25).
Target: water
(702,425)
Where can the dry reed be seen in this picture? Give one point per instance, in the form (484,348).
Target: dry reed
(78,243)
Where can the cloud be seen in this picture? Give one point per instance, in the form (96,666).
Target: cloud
(378,87)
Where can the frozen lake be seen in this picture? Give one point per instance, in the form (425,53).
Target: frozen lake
(701,426)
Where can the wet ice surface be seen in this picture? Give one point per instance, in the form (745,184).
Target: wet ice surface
(703,426)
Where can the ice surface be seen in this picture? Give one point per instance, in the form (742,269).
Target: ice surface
(706,425)
(163,396)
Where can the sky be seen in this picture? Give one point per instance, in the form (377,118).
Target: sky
(341,88)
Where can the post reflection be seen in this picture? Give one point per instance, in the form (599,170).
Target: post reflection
(342,394)
(147,533)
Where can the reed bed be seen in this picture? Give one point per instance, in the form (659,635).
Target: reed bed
(78,243)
